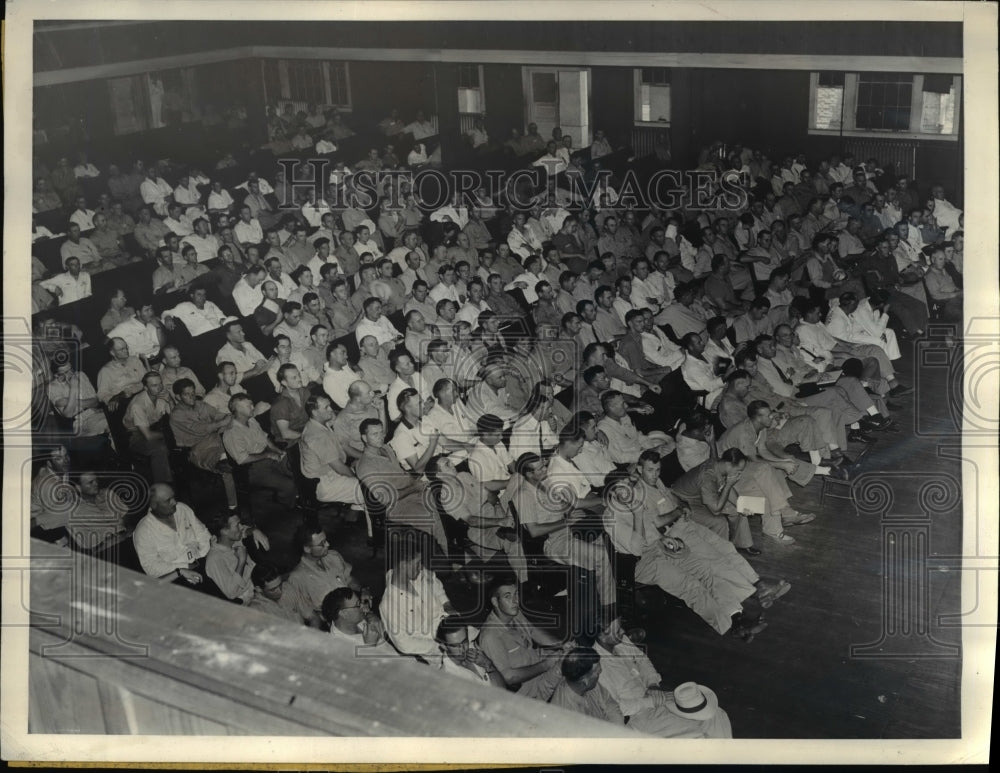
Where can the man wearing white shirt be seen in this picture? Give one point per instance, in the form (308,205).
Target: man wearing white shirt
(82,216)
(855,322)
(72,285)
(205,244)
(946,213)
(156,192)
(198,315)
(141,332)
(286,285)
(449,417)
(248,231)
(656,347)
(245,356)
(421,128)
(170,540)
(322,258)
(365,243)
(529,279)
(446,287)
(265,186)
(698,371)
(177,221)
(338,375)
(489,460)
(406,378)
(374,323)
(521,241)
(219,199)
(292,326)
(247,291)
(474,305)
(553,162)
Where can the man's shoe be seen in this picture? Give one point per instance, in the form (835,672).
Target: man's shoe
(841,473)
(870,423)
(900,389)
(858,436)
(845,461)
(782,539)
(798,519)
(750,551)
(636,635)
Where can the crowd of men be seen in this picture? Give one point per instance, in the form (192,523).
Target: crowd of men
(580,382)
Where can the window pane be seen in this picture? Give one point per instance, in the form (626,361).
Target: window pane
(543,88)
(469,101)
(338,83)
(938,116)
(656,103)
(829,103)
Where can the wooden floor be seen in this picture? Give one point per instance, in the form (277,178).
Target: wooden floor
(799,678)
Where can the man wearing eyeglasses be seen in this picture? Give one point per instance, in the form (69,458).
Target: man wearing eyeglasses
(351,619)
(320,569)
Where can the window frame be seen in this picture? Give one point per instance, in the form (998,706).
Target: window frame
(481,89)
(850,103)
(637,85)
(326,80)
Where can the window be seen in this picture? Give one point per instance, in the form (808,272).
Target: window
(880,103)
(829,103)
(652,95)
(340,86)
(471,99)
(884,101)
(304,82)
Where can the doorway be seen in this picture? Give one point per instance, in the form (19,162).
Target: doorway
(559,96)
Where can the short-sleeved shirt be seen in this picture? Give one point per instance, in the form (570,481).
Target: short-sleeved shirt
(244,441)
(508,645)
(243,360)
(286,409)
(314,578)
(143,411)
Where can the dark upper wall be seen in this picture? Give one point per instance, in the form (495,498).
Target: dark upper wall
(81,46)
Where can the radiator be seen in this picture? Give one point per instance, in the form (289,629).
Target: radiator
(901,154)
(644,139)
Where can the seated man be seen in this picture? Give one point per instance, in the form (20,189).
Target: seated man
(142,418)
(450,419)
(699,371)
(323,456)
(73,397)
(394,488)
(688,561)
(941,288)
(751,437)
(819,343)
(633,683)
(227,564)
(320,569)
(623,440)
(198,427)
(490,525)
(855,322)
(414,602)
(272,595)
(545,512)
(462,658)
(143,332)
(846,412)
(288,414)
(170,540)
(198,314)
(351,619)
(580,691)
(527,657)
(247,444)
(247,358)
(71,285)
(756,321)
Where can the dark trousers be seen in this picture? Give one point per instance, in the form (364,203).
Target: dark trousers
(274,476)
